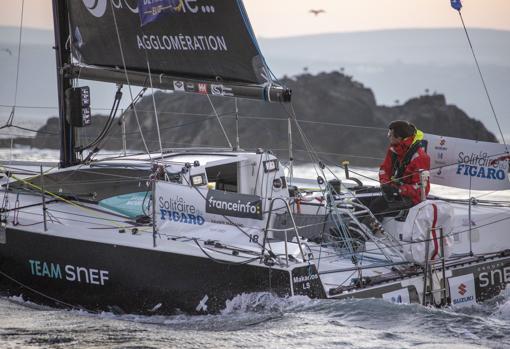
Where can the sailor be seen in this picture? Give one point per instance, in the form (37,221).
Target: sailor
(399,174)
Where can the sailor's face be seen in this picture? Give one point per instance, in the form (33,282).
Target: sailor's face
(393,140)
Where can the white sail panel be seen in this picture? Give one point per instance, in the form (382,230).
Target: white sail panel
(467,164)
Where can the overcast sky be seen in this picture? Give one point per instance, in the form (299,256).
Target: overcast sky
(276,18)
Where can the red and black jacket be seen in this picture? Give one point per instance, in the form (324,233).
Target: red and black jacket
(402,165)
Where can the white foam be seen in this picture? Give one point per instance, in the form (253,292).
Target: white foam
(503,312)
(263,301)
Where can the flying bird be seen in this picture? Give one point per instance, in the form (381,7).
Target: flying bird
(7,50)
(317,12)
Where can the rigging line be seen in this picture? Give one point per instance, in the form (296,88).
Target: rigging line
(377,180)
(448,165)
(11,117)
(344,154)
(483,80)
(350,170)
(409,243)
(308,145)
(28,107)
(66,218)
(122,218)
(253,259)
(127,77)
(69,202)
(176,126)
(337,220)
(219,121)
(154,102)
(99,140)
(316,122)
(33,130)
(107,109)
(237,123)
(68,305)
(228,219)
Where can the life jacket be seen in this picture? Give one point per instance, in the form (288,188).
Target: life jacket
(398,167)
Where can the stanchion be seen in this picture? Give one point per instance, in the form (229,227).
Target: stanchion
(43,200)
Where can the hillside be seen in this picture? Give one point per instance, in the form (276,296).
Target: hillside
(337,114)
(395,64)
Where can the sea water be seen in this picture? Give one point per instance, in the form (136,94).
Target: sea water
(260,320)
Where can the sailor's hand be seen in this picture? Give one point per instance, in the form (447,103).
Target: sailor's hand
(390,191)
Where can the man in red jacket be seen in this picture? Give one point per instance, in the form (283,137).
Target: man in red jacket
(399,174)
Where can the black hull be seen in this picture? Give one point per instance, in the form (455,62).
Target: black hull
(98,276)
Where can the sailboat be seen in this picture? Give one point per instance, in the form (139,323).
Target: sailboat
(188,230)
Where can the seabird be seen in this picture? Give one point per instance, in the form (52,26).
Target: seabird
(317,12)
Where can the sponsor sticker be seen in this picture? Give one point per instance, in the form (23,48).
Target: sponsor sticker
(216,89)
(398,296)
(494,275)
(221,90)
(179,86)
(190,87)
(202,88)
(306,281)
(71,273)
(175,209)
(233,204)
(462,290)
(468,164)
(151,11)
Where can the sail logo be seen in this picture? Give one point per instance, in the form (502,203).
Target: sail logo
(178,211)
(96,7)
(152,10)
(233,204)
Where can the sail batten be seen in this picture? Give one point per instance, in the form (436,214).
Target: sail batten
(201,40)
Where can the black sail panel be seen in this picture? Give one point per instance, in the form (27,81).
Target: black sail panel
(194,39)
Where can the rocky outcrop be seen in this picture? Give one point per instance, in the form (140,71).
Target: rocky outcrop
(336,115)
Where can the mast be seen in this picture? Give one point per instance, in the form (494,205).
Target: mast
(63,58)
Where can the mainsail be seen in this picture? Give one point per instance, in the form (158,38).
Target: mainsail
(198,46)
